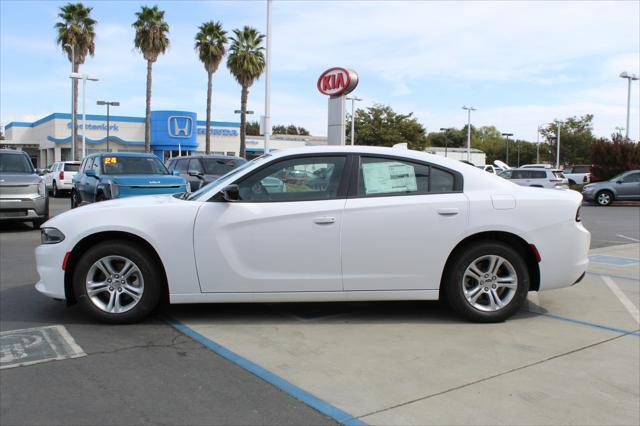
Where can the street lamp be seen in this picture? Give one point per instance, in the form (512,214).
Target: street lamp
(538,146)
(267,85)
(558,124)
(108,104)
(353,117)
(73,109)
(446,138)
(84,77)
(468,109)
(507,135)
(630,77)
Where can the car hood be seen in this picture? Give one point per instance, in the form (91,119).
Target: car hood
(10,179)
(147,180)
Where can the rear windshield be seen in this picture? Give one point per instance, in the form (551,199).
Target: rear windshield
(221,166)
(133,166)
(15,163)
(70,167)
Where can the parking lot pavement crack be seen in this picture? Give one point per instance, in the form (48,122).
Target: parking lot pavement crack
(485,379)
(174,344)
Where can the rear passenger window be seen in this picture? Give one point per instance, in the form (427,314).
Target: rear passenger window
(385,176)
(182,165)
(537,174)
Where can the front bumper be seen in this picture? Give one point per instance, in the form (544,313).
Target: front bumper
(49,258)
(23,209)
(589,195)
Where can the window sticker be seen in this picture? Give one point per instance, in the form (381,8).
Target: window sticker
(389,177)
(110,160)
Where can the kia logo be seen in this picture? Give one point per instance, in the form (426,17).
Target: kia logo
(180,126)
(337,81)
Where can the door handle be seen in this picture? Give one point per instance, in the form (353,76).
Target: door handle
(324,220)
(448,211)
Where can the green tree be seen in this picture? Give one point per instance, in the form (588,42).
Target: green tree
(612,157)
(303,132)
(246,63)
(379,125)
(253,128)
(576,137)
(279,129)
(210,45)
(76,33)
(152,41)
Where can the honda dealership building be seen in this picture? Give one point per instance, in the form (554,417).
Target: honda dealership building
(172,133)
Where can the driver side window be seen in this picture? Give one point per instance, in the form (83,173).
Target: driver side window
(298,179)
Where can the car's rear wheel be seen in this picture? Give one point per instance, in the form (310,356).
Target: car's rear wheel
(604,198)
(75,202)
(100,197)
(117,282)
(487,281)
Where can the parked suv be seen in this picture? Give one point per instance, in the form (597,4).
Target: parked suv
(23,195)
(105,176)
(538,177)
(60,176)
(625,186)
(200,170)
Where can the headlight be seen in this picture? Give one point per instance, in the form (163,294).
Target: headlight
(40,188)
(587,188)
(115,190)
(51,235)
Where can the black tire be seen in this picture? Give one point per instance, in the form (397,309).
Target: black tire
(572,182)
(54,190)
(151,277)
(100,197)
(455,287)
(74,199)
(604,198)
(38,222)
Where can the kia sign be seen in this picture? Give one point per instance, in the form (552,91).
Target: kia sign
(337,81)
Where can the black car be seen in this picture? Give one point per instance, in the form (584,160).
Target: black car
(199,170)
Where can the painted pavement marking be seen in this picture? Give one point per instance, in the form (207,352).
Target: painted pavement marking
(628,304)
(30,346)
(613,260)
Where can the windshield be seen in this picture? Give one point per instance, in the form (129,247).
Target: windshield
(133,166)
(15,163)
(233,172)
(221,166)
(617,177)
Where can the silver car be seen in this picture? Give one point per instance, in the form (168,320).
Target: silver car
(625,186)
(537,177)
(23,195)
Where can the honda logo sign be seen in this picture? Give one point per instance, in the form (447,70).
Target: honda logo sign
(180,126)
(337,81)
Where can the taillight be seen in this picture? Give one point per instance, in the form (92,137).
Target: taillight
(61,175)
(578,216)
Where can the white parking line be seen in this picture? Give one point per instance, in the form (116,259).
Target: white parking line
(628,304)
(635,240)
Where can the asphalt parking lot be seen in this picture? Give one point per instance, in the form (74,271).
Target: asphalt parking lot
(571,356)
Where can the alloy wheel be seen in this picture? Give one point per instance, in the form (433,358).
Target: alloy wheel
(489,283)
(114,284)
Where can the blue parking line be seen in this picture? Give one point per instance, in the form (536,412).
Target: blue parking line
(324,407)
(590,324)
(613,260)
(601,274)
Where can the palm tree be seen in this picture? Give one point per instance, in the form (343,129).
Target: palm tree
(151,39)
(246,63)
(76,34)
(210,42)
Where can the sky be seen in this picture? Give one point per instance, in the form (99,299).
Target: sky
(521,64)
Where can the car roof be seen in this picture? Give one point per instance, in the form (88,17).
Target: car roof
(216,156)
(538,169)
(123,154)
(12,151)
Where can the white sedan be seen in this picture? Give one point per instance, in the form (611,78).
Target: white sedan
(346,224)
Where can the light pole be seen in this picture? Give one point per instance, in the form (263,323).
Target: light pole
(84,77)
(558,124)
(108,104)
(630,77)
(468,109)
(267,85)
(507,135)
(446,138)
(353,100)
(73,107)
(538,146)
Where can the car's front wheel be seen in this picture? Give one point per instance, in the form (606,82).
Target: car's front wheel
(54,190)
(75,202)
(604,198)
(117,282)
(487,281)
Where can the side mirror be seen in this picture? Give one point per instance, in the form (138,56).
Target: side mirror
(175,173)
(196,174)
(619,181)
(42,172)
(230,193)
(90,172)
